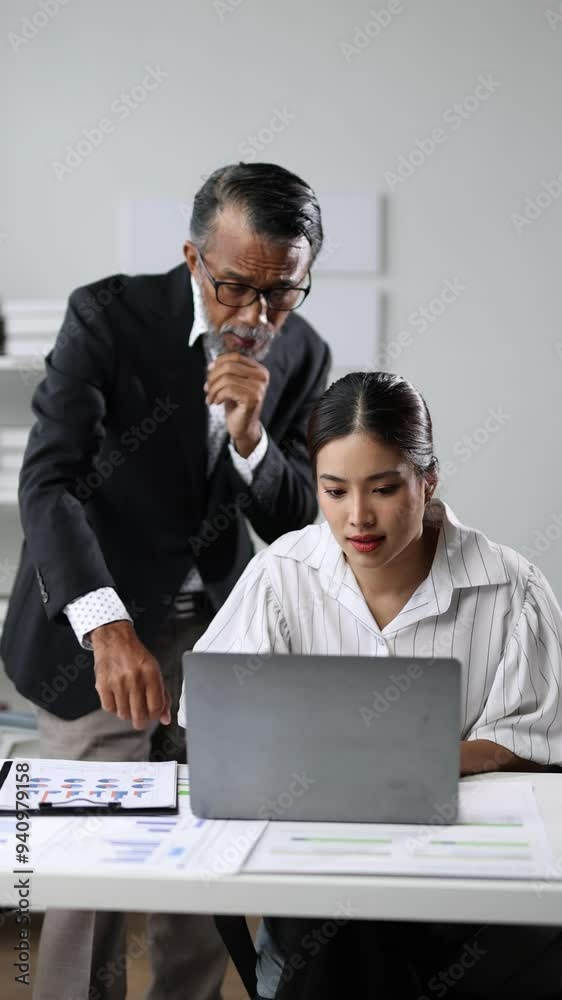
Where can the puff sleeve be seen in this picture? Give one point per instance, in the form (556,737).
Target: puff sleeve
(523,711)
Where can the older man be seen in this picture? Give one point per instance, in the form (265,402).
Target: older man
(173,408)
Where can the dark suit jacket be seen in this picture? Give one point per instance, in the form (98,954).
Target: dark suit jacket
(113,488)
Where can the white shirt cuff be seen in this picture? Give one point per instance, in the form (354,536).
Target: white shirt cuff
(246,467)
(181,709)
(98,607)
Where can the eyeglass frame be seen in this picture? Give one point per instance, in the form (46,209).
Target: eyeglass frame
(259,291)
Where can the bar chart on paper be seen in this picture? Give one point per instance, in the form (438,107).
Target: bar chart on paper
(176,843)
(166,843)
(67,783)
(136,842)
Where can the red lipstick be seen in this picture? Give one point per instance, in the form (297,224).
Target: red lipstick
(366,543)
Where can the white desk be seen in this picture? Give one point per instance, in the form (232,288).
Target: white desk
(374,897)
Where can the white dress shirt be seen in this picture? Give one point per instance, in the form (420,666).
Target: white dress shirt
(103,605)
(481,603)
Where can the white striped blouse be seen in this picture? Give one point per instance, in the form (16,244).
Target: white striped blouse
(481,603)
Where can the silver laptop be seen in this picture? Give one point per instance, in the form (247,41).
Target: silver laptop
(327,738)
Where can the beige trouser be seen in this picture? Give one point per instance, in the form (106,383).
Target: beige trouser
(82,953)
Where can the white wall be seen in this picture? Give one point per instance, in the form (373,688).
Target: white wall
(493,348)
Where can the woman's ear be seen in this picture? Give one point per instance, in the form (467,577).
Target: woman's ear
(430,488)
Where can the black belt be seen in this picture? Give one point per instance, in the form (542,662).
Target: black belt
(188,604)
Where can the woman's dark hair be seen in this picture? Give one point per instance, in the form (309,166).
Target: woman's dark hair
(278,204)
(378,403)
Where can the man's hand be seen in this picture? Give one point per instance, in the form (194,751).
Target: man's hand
(128,678)
(241,384)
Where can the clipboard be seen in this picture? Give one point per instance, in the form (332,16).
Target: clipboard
(99,809)
(78,805)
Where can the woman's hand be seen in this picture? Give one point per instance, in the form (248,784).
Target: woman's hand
(480,756)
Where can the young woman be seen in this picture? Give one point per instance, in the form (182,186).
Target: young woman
(393,572)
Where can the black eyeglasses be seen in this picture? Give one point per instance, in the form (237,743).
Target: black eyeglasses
(284,298)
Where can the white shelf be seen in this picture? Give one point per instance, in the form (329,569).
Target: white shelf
(15,309)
